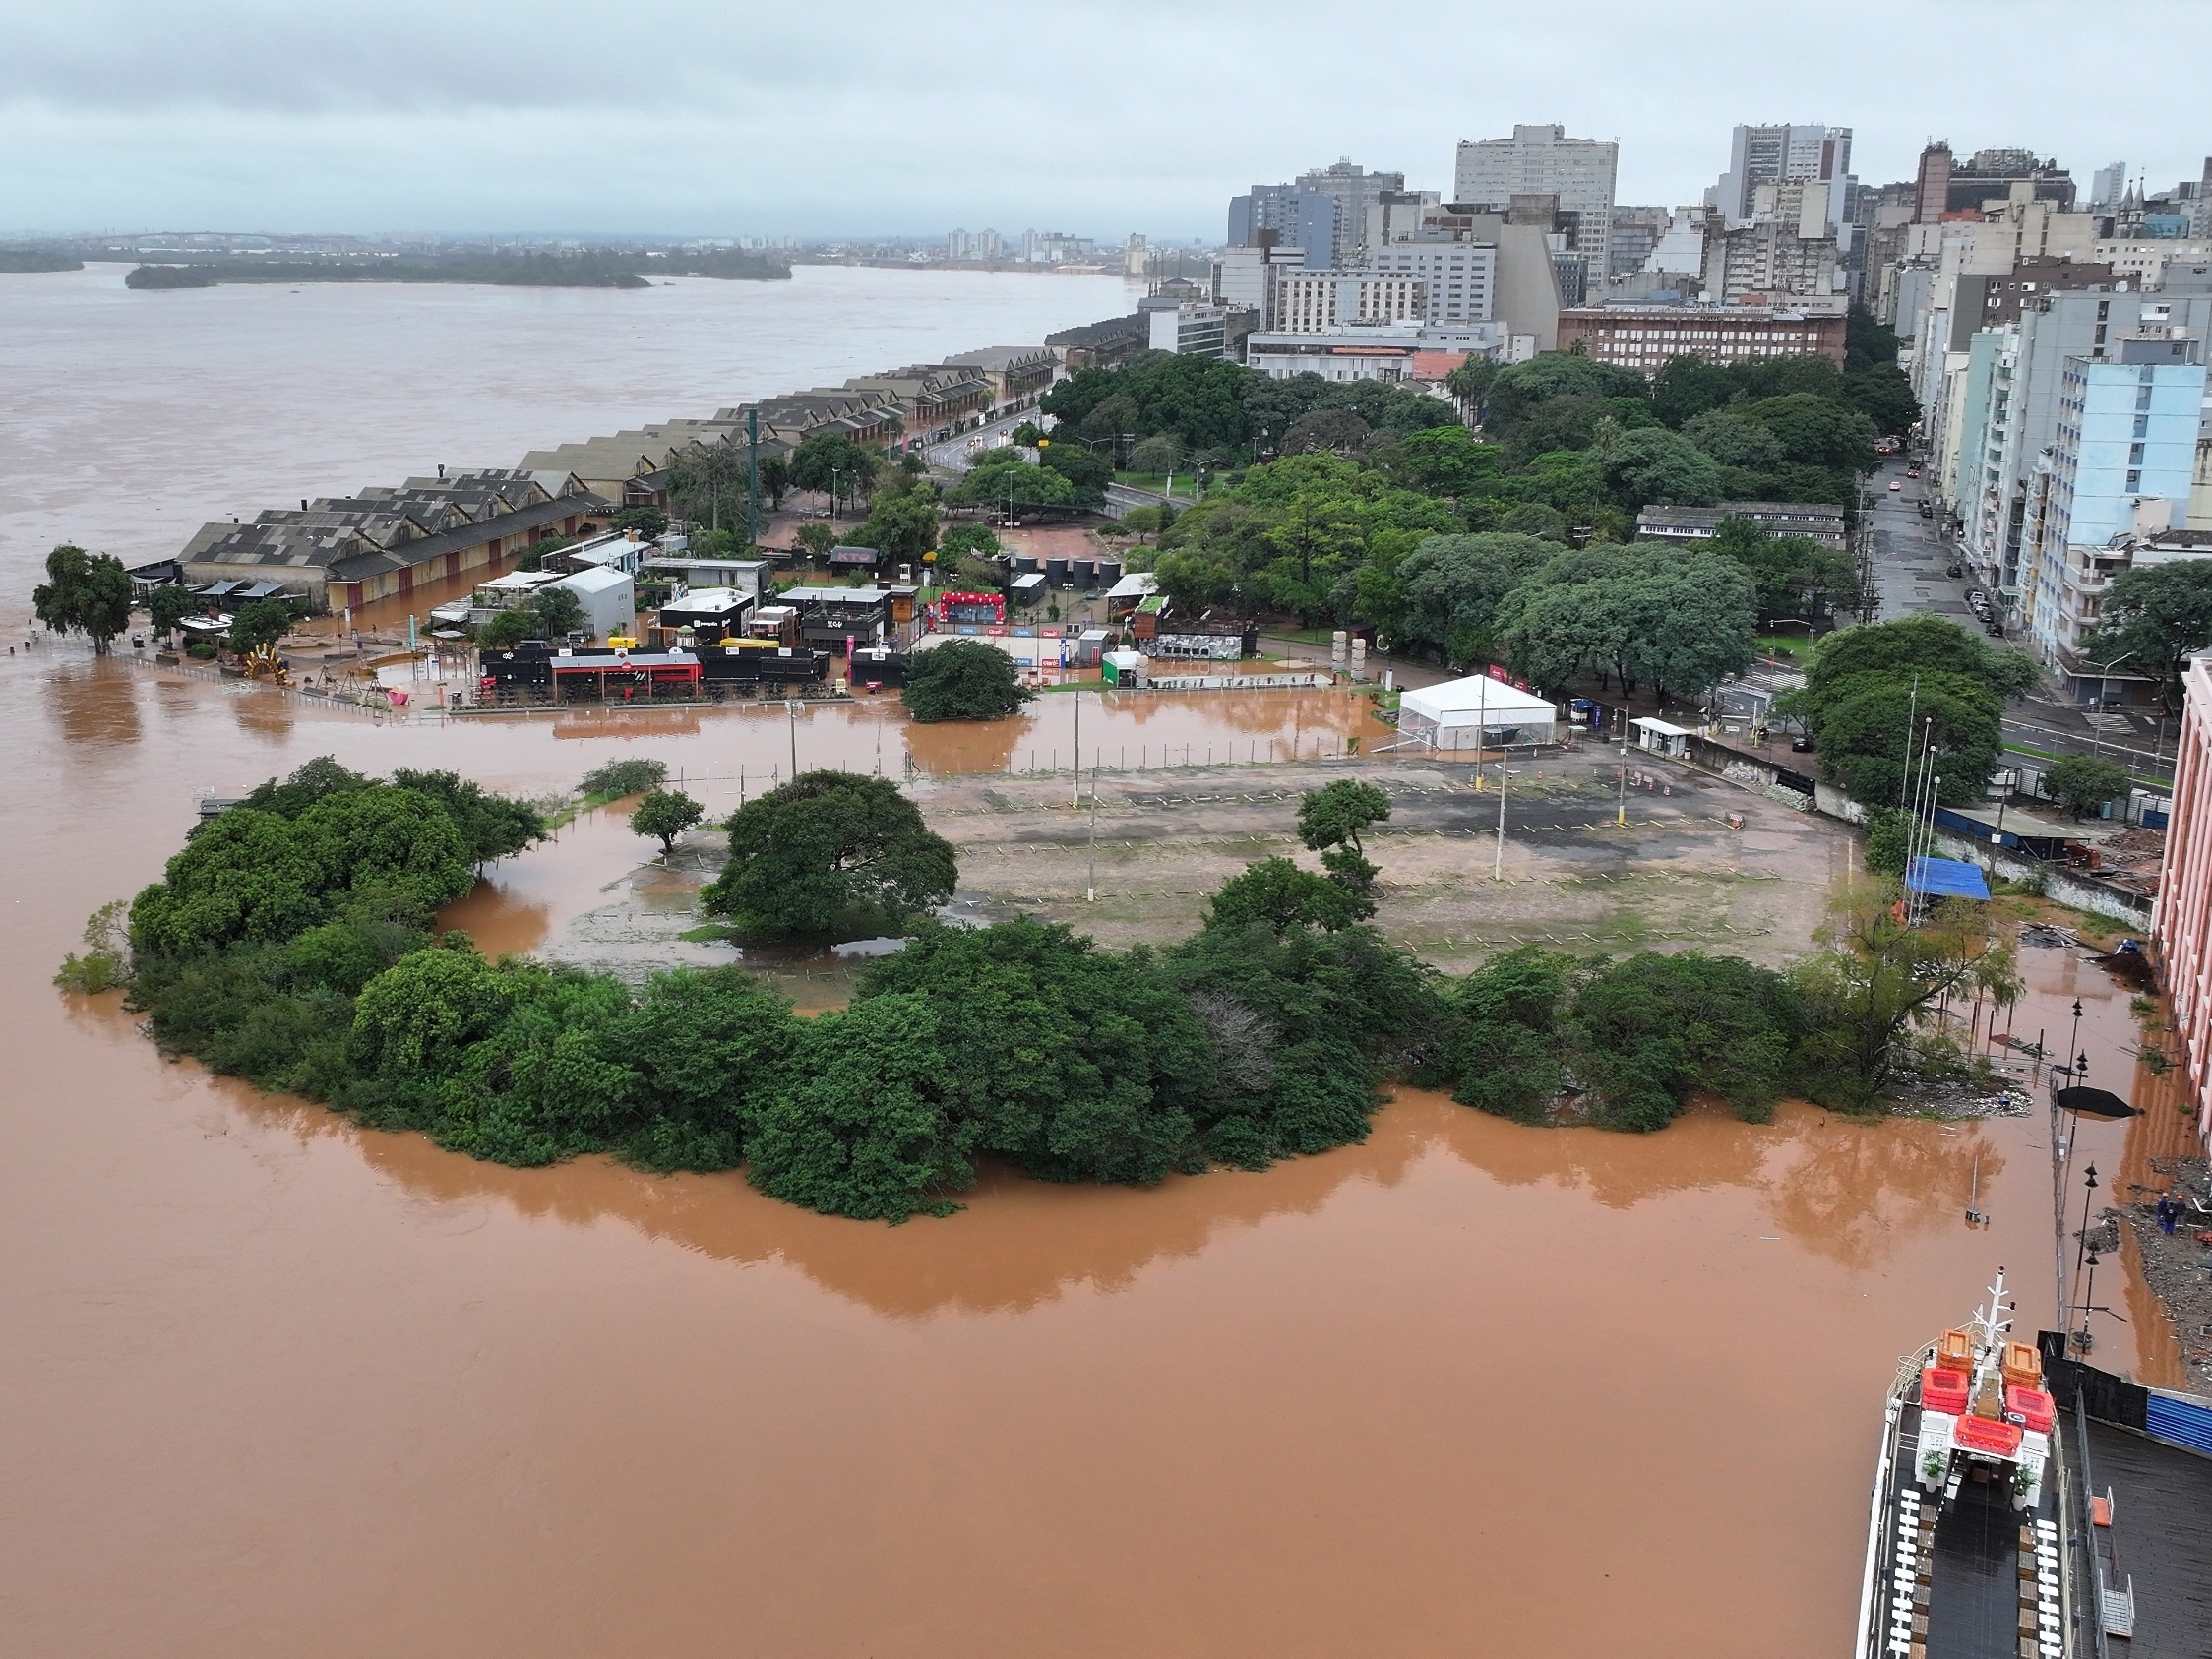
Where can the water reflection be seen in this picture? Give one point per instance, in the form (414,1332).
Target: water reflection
(265,714)
(1848,1192)
(95,703)
(1856,1188)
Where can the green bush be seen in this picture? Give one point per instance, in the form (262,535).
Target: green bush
(618,778)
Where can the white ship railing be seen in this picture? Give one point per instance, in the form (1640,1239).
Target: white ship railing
(1870,1645)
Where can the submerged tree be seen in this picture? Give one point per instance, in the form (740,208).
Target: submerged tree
(87,593)
(963,680)
(1878,974)
(664,814)
(828,852)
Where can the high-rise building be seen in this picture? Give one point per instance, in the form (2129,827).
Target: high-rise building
(1460,276)
(973,245)
(2106,186)
(1323,212)
(1760,156)
(1636,232)
(1290,217)
(2182,924)
(2124,462)
(1948,185)
(1356,191)
(1542,160)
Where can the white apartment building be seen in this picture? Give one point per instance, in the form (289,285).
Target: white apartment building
(1542,160)
(1460,278)
(1312,302)
(1387,351)
(2120,471)
(1760,156)
(1187,328)
(1247,278)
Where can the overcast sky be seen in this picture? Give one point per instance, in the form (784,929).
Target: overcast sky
(823,119)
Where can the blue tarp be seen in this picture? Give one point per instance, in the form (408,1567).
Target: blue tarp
(1945,878)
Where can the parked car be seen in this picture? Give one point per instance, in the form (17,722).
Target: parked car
(1927,510)
(1954,569)
(1994,630)
(1802,743)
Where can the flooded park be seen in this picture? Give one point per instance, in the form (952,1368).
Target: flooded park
(283,1385)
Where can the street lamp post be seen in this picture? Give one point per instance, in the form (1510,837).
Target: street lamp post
(1497,862)
(2082,1339)
(2088,1196)
(2104,694)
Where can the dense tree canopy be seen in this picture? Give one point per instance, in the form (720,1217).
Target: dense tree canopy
(1451,587)
(87,593)
(1673,619)
(1004,478)
(1874,697)
(2152,620)
(830,851)
(288,943)
(1795,576)
(963,680)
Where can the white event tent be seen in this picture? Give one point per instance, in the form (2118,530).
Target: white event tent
(1476,712)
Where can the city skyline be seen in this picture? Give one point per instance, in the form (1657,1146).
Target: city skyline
(409,119)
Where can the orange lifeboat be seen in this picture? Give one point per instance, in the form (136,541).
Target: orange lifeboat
(1987,1435)
(2031,1408)
(1943,1391)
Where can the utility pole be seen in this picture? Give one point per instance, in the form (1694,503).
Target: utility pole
(791,708)
(1498,864)
(1091,893)
(1076,799)
(753,476)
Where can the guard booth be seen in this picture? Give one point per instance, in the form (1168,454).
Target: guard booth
(1658,737)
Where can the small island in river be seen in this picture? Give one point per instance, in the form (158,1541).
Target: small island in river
(593,268)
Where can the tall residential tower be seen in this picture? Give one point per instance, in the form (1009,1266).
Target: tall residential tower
(1545,161)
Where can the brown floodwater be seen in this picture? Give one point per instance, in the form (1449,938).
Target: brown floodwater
(276,1384)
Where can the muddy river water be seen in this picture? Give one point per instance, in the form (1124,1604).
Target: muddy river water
(278,1385)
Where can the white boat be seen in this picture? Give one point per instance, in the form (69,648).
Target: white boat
(1966,1546)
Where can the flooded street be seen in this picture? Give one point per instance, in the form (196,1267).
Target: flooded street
(280,1386)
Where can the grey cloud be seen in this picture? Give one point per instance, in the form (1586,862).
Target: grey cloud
(670,116)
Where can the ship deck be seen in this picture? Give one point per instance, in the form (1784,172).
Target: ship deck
(2162,1519)
(1949,1577)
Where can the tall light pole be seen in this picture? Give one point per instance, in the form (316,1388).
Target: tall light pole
(2088,1196)
(753,476)
(791,709)
(2104,693)
(1076,799)
(1497,862)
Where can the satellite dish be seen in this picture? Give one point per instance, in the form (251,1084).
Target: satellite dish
(2096,1103)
